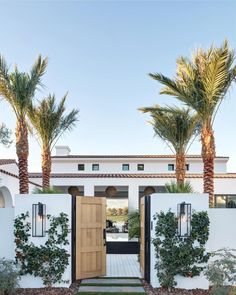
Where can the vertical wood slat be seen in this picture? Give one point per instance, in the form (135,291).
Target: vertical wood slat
(142,236)
(90,248)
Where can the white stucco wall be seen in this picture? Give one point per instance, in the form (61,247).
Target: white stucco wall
(151,165)
(222,228)
(6,233)
(12,168)
(55,204)
(12,185)
(165,202)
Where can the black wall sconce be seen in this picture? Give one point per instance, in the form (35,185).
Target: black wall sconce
(184,219)
(38,220)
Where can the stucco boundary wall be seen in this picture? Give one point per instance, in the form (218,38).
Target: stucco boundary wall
(55,204)
(222,231)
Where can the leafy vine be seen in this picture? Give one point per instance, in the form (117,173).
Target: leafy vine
(48,261)
(177,255)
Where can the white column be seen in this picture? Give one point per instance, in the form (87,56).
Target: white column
(133,195)
(89,190)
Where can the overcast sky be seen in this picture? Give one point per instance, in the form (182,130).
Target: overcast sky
(101,52)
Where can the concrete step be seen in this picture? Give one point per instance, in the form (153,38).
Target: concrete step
(110,289)
(111,281)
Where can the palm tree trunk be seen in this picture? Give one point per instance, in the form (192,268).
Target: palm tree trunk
(180,168)
(208,156)
(22,151)
(46,167)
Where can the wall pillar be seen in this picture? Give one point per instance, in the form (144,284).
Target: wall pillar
(88,190)
(133,195)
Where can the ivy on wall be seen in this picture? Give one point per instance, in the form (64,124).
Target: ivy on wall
(48,261)
(177,255)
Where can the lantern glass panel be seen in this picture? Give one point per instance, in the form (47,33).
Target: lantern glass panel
(38,220)
(184,219)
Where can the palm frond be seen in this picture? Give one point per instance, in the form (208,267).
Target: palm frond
(174,187)
(175,126)
(49,120)
(202,82)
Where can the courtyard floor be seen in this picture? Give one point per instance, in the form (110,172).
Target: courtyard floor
(123,265)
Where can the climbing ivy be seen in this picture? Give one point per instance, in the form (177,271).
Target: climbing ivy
(177,255)
(48,261)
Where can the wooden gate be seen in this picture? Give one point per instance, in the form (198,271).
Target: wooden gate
(90,237)
(145,237)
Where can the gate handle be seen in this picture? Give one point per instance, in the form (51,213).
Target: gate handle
(104,236)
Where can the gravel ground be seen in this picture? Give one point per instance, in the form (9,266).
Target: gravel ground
(161,291)
(52,291)
(44,291)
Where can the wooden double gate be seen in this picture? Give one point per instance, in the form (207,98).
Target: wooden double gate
(89,231)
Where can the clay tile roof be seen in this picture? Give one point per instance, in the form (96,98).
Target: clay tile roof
(127,175)
(16,176)
(7,161)
(126,157)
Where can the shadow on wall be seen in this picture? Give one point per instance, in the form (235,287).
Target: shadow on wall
(6,200)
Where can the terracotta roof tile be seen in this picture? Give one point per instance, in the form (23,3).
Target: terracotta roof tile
(126,175)
(127,157)
(7,161)
(16,176)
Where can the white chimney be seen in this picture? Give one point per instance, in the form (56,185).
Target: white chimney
(62,150)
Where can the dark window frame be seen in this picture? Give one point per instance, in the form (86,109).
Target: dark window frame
(80,166)
(95,165)
(140,165)
(125,165)
(171,165)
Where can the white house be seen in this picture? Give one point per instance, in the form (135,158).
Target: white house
(133,175)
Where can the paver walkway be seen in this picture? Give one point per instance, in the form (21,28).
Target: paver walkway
(111,285)
(123,265)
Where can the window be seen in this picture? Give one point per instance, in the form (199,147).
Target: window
(95,167)
(125,167)
(140,167)
(187,167)
(81,167)
(225,201)
(171,167)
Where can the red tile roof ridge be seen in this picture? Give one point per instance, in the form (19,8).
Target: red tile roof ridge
(128,175)
(7,161)
(130,156)
(16,176)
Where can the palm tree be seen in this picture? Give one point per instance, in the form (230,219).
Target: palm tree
(18,89)
(201,83)
(50,122)
(176,126)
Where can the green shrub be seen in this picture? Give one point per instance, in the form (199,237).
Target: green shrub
(9,276)
(134,224)
(48,190)
(174,187)
(221,272)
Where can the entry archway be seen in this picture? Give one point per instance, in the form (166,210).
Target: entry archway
(149,190)
(6,200)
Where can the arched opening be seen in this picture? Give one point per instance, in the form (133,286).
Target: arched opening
(149,190)
(74,191)
(5,198)
(110,191)
(2,201)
